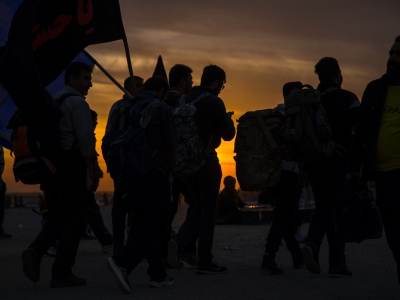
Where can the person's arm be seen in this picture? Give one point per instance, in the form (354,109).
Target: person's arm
(354,110)
(361,131)
(92,172)
(112,116)
(223,120)
(84,133)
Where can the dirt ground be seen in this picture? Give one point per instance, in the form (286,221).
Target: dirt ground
(374,273)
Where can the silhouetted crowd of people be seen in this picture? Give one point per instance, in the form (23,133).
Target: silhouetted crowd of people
(169,132)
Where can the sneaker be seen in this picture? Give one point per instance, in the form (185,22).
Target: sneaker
(120,274)
(213,269)
(310,257)
(67,282)
(173,255)
(52,252)
(269,266)
(4,235)
(31,264)
(160,283)
(190,258)
(107,248)
(340,271)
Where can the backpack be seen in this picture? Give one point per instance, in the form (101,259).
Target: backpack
(258,149)
(35,159)
(126,150)
(307,131)
(191,152)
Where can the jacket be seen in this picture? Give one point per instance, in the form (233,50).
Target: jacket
(160,132)
(363,148)
(213,121)
(76,125)
(342,109)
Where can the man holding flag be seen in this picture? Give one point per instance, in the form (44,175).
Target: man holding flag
(44,36)
(67,193)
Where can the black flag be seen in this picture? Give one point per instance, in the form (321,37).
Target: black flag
(45,36)
(160,69)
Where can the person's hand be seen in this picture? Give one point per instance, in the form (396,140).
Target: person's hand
(100,173)
(230,113)
(94,178)
(351,175)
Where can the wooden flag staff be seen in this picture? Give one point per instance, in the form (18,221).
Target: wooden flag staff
(113,79)
(128,59)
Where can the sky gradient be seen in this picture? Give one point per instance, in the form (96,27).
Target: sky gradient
(260,44)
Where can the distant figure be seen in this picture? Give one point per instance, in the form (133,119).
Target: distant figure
(152,191)
(377,136)
(3,189)
(327,176)
(286,198)
(214,124)
(229,203)
(121,205)
(180,81)
(66,193)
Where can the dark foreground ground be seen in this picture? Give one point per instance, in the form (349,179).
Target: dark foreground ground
(374,274)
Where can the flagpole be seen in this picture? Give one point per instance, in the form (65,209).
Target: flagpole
(107,74)
(128,59)
(112,79)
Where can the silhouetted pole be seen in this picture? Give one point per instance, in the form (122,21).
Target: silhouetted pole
(128,59)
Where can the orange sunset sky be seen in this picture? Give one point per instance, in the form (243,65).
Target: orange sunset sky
(260,44)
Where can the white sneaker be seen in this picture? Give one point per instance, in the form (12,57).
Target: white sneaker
(51,252)
(120,274)
(157,284)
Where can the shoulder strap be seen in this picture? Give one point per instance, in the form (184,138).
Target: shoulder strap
(150,111)
(199,98)
(61,99)
(181,100)
(327,91)
(265,129)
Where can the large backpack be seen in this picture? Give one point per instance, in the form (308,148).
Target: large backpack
(36,158)
(258,149)
(126,150)
(307,131)
(191,152)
